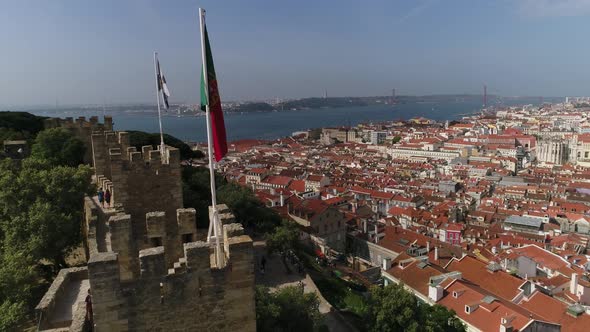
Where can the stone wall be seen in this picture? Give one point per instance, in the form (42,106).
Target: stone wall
(140,183)
(49,306)
(145,270)
(192,296)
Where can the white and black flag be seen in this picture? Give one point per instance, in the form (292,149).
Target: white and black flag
(162,87)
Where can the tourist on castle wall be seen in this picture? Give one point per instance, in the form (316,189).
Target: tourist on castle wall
(107,197)
(101,197)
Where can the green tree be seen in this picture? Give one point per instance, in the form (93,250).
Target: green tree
(287,309)
(40,214)
(437,318)
(59,147)
(19,125)
(283,238)
(196,192)
(392,308)
(248,209)
(40,207)
(18,280)
(396,139)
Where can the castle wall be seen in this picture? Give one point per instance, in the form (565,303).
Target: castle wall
(191,297)
(141,182)
(145,269)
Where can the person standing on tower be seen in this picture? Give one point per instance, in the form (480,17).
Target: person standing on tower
(107,197)
(101,197)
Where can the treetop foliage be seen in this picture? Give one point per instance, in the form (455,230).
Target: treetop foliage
(59,147)
(40,214)
(392,308)
(287,309)
(248,210)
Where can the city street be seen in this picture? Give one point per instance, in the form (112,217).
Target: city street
(276,277)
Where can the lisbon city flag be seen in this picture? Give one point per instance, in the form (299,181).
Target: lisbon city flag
(214,103)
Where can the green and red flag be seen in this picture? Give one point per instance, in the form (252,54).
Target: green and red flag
(214,102)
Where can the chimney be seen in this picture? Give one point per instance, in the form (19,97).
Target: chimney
(282,199)
(365,226)
(386,264)
(435,293)
(273,191)
(427,247)
(435,253)
(574,283)
(506,324)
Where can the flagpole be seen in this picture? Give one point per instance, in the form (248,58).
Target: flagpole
(162,146)
(214,230)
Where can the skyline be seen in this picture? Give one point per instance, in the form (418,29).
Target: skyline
(93,54)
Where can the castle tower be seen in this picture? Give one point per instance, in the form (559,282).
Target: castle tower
(146,269)
(140,183)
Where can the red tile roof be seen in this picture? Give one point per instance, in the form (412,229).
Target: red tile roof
(541,256)
(486,316)
(498,283)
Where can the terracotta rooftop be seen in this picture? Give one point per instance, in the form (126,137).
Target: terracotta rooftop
(498,283)
(483,315)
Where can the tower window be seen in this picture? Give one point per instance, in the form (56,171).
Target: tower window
(156,241)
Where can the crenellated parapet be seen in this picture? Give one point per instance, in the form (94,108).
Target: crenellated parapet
(80,123)
(206,297)
(146,268)
(141,182)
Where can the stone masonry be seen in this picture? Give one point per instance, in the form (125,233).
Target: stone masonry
(145,269)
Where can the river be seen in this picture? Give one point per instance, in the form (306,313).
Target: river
(270,125)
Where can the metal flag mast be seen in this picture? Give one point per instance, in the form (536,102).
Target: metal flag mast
(214,227)
(162,146)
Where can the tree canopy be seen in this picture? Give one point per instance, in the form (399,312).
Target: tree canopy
(249,211)
(59,147)
(283,238)
(40,214)
(19,125)
(392,308)
(287,309)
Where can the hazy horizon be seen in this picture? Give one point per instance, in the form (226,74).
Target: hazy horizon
(83,53)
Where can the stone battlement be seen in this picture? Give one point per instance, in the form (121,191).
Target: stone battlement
(200,295)
(197,256)
(113,230)
(140,183)
(146,268)
(80,122)
(146,157)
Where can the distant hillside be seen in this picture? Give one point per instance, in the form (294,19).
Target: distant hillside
(335,102)
(19,125)
(250,107)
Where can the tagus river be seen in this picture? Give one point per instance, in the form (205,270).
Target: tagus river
(270,125)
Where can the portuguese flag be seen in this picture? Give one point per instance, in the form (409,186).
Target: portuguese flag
(214,102)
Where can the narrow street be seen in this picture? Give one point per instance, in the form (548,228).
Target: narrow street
(276,277)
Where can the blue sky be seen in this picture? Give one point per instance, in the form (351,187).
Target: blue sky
(82,51)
